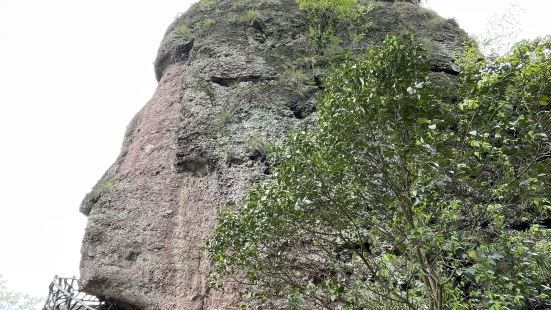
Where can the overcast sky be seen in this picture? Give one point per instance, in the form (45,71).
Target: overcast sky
(72,75)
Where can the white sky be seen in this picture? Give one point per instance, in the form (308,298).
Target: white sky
(72,75)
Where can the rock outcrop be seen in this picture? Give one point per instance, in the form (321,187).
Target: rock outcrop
(234,76)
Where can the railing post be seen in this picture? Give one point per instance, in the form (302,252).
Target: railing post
(64,292)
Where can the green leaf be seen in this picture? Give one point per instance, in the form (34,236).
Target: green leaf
(544,101)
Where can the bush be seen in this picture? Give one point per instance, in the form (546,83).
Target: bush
(326,16)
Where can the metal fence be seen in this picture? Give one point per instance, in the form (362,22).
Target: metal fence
(65,295)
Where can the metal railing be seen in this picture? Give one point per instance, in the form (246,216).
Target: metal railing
(65,295)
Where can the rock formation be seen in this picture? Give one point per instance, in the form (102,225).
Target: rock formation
(234,77)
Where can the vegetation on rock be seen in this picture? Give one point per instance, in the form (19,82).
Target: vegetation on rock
(326,15)
(403,199)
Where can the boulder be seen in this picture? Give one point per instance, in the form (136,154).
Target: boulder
(234,77)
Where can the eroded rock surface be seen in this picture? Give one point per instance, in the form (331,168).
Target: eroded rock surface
(234,76)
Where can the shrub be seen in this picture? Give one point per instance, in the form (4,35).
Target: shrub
(402,200)
(326,16)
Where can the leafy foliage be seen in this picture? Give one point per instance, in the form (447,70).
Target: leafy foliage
(401,199)
(16,301)
(248,16)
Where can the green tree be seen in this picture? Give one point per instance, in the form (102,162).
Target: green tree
(16,301)
(403,199)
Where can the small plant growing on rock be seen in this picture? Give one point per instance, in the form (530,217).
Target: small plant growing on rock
(205,4)
(227,112)
(325,16)
(294,76)
(256,147)
(204,24)
(183,31)
(248,16)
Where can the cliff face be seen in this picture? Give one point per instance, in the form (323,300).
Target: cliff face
(234,76)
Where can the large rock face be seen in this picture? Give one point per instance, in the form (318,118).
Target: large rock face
(234,76)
